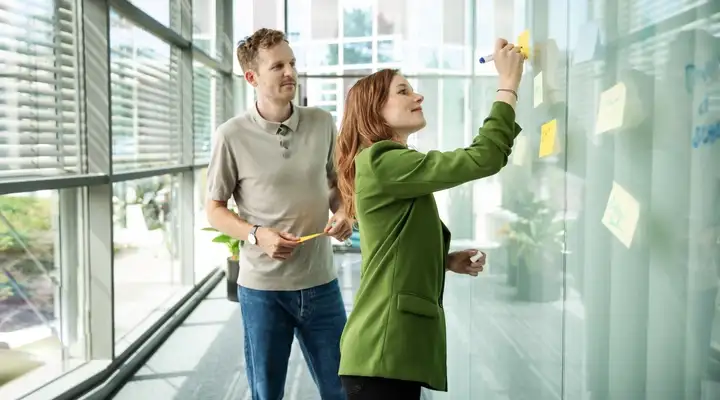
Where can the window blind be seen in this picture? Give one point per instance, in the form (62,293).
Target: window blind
(203,121)
(38,89)
(145,98)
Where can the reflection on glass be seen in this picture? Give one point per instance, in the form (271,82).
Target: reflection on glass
(145,248)
(29,307)
(144,98)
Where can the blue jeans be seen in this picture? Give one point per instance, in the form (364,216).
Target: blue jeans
(316,316)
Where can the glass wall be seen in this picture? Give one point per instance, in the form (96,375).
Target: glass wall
(603,232)
(106,115)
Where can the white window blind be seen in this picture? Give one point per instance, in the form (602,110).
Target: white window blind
(203,84)
(145,98)
(38,89)
(207,109)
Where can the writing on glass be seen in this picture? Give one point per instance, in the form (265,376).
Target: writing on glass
(703,76)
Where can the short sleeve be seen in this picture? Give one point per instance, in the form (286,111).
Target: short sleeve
(222,173)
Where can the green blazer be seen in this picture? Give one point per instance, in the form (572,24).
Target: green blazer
(397,326)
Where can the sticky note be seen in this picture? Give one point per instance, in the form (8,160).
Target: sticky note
(621,214)
(538,89)
(308,237)
(519,151)
(524,42)
(588,42)
(548,134)
(612,109)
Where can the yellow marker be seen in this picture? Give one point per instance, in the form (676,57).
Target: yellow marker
(548,133)
(524,43)
(308,237)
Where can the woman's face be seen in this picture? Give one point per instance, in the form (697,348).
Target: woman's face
(403,111)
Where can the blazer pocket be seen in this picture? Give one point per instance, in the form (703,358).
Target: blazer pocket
(413,304)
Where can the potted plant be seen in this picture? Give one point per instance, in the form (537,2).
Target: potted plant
(536,238)
(233,261)
(521,204)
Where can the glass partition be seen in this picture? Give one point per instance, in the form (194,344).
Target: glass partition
(603,231)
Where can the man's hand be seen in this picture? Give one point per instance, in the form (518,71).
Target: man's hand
(459,262)
(339,226)
(278,245)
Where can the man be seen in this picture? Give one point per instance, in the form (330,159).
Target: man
(276,161)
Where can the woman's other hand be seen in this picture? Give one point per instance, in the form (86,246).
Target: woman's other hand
(509,62)
(459,262)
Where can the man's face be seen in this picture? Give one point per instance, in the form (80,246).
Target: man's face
(274,76)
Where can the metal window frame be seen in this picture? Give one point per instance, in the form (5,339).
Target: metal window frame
(85,292)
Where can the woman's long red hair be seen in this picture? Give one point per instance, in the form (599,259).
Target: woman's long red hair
(362,125)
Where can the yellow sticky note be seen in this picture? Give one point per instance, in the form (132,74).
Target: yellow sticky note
(538,89)
(611,111)
(519,151)
(621,214)
(308,237)
(548,134)
(524,42)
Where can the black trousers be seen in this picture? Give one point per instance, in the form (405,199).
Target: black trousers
(371,388)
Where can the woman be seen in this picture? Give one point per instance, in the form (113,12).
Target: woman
(394,342)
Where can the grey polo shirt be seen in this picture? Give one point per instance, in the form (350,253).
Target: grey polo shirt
(278,176)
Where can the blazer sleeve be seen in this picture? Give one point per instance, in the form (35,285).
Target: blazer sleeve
(406,173)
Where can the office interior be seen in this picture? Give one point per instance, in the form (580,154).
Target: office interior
(602,232)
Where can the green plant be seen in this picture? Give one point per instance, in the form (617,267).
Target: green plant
(536,232)
(232,244)
(31,219)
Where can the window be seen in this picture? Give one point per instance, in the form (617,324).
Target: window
(158,9)
(208,254)
(357,53)
(391,17)
(386,51)
(357,22)
(207,109)
(145,98)
(206,27)
(39,91)
(40,326)
(145,249)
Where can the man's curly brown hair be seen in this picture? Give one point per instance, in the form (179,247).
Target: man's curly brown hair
(248,48)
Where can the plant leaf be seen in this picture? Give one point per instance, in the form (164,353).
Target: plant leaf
(222,239)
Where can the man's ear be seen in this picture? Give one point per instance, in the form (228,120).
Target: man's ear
(251,77)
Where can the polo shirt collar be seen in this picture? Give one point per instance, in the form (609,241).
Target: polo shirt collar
(272,127)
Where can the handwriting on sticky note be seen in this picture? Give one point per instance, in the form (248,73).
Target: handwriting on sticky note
(524,43)
(548,138)
(519,151)
(538,89)
(622,214)
(611,111)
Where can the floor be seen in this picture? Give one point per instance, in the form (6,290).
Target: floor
(498,348)
(517,355)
